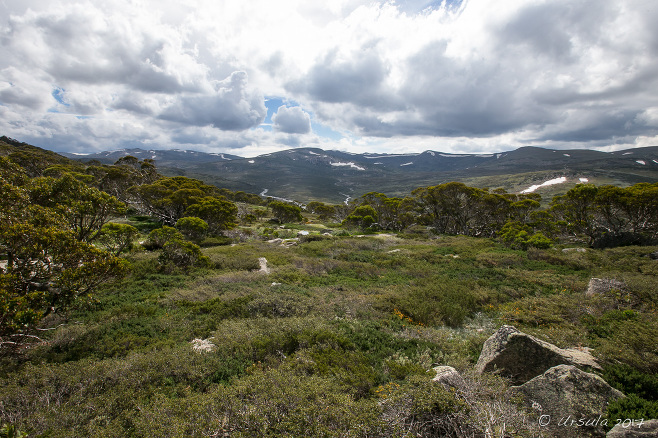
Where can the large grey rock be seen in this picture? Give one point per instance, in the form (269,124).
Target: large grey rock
(449,377)
(571,402)
(646,429)
(520,357)
(603,285)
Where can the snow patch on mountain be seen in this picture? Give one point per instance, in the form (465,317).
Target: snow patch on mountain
(550,182)
(350,164)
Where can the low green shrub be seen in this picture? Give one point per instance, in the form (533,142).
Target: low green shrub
(179,253)
(160,236)
(440,301)
(209,242)
(193,228)
(631,407)
(631,381)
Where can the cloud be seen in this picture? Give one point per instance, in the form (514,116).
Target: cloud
(85,44)
(423,73)
(291,120)
(22,90)
(357,79)
(232,106)
(576,72)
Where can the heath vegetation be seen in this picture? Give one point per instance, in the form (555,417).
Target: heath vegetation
(137,305)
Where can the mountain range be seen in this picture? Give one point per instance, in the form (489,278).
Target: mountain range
(306,174)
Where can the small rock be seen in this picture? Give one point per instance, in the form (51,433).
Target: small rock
(263,265)
(448,377)
(571,402)
(654,255)
(520,357)
(203,345)
(276,241)
(302,233)
(574,249)
(603,285)
(647,429)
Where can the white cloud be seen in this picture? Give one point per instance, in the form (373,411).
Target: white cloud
(291,120)
(404,75)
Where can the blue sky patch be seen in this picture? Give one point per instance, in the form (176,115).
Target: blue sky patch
(58,94)
(325,131)
(272,104)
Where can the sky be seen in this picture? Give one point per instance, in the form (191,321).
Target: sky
(249,77)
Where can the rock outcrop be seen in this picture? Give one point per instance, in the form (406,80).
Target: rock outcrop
(449,377)
(603,285)
(572,403)
(636,429)
(520,357)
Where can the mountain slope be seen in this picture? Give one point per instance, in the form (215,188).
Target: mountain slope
(306,174)
(313,174)
(175,158)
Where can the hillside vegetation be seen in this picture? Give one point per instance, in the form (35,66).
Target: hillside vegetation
(311,174)
(147,306)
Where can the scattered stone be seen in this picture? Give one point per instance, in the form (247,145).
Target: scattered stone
(275,284)
(448,377)
(394,251)
(654,255)
(385,236)
(574,249)
(520,357)
(571,402)
(302,233)
(203,345)
(603,285)
(284,242)
(263,265)
(637,429)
